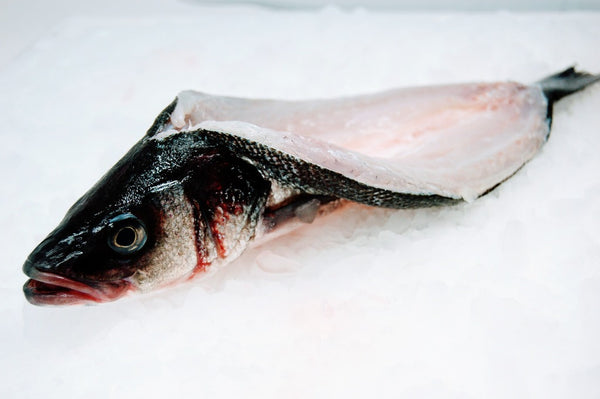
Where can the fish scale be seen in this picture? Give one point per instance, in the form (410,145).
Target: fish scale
(313,179)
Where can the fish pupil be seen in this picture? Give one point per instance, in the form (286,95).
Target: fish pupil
(125,237)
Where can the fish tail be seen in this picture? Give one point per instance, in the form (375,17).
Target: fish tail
(565,83)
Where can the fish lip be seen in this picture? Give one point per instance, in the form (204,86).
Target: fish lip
(44,288)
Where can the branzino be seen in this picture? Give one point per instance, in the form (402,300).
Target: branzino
(213,174)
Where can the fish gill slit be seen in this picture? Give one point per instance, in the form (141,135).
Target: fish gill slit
(202,252)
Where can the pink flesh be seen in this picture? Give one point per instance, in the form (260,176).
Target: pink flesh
(457,141)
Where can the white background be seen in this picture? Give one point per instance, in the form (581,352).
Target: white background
(23,21)
(498,298)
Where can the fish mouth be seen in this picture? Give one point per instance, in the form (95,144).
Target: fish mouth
(45,288)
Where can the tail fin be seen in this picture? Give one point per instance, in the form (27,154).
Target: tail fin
(563,84)
(566,82)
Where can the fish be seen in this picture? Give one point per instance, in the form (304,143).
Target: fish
(214,174)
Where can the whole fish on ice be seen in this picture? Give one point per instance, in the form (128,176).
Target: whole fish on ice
(214,173)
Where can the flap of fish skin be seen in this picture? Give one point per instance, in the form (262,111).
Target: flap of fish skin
(436,144)
(309,177)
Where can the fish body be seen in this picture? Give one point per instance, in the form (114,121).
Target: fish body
(213,174)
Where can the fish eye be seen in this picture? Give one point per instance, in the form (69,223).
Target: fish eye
(127,234)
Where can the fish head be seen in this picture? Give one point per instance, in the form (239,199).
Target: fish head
(156,218)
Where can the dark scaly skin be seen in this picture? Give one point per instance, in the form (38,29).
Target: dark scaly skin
(296,173)
(312,179)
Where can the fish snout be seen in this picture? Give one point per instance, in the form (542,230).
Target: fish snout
(28,266)
(50,256)
(52,280)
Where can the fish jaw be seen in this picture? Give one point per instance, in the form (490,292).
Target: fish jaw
(45,288)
